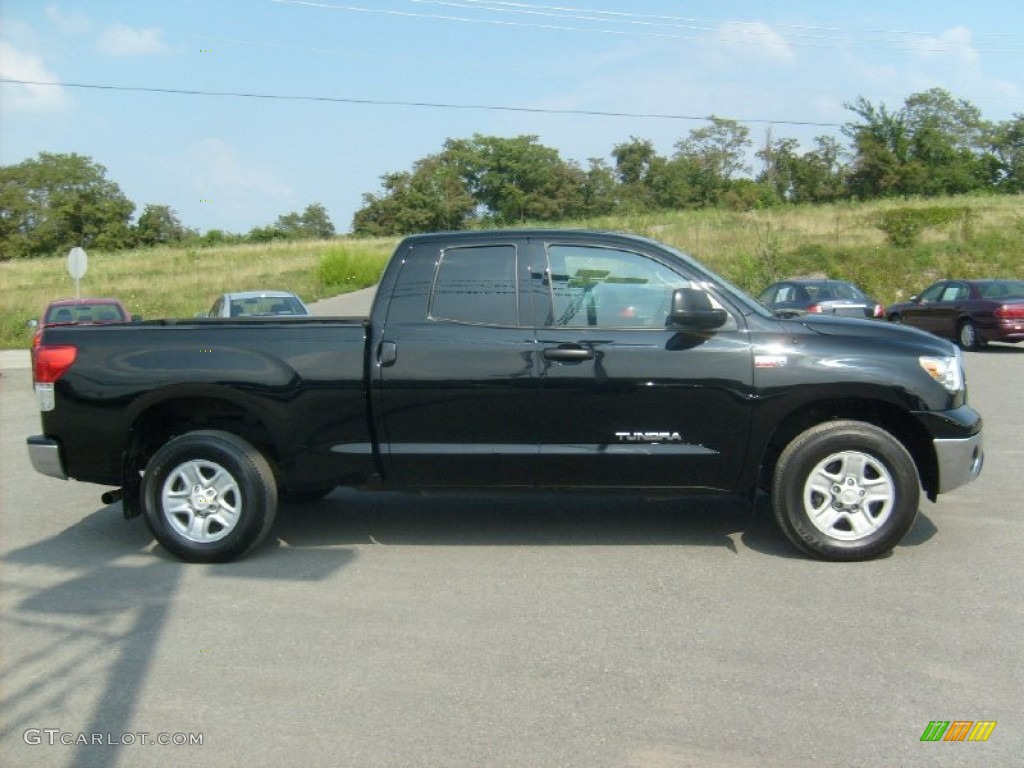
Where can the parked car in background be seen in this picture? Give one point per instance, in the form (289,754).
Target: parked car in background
(971,312)
(822,297)
(71,311)
(256,304)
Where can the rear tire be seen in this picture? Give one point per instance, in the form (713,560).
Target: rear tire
(209,496)
(845,490)
(968,338)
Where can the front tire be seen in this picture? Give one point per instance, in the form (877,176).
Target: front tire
(845,490)
(208,496)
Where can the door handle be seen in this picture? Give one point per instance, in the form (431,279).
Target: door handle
(387,353)
(569,354)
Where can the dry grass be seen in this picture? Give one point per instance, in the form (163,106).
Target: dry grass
(167,282)
(749,248)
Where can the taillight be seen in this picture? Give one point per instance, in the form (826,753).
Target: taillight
(879,311)
(816,308)
(50,363)
(1010,310)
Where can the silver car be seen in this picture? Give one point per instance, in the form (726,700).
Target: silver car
(257,304)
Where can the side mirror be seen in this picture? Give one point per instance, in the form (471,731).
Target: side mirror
(32,324)
(692,308)
(915,298)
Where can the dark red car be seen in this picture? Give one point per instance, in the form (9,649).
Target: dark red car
(70,311)
(970,312)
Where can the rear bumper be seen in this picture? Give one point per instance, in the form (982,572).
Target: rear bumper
(46,457)
(960,461)
(1010,331)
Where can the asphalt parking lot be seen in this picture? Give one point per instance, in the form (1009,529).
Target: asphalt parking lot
(389,630)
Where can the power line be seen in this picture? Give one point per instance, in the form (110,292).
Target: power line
(505,5)
(739,32)
(397,103)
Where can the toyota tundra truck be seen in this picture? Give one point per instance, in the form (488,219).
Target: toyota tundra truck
(513,360)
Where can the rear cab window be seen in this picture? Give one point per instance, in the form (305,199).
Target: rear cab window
(85,313)
(476,285)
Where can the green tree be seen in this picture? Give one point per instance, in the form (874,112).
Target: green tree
(600,191)
(518,179)
(55,202)
(633,160)
(485,178)
(433,196)
(881,147)
(816,176)
(159,225)
(317,223)
(718,154)
(1007,167)
(312,224)
(638,169)
(933,145)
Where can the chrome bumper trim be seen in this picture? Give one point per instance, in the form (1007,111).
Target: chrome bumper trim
(45,456)
(960,461)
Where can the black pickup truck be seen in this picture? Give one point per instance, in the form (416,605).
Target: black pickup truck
(513,359)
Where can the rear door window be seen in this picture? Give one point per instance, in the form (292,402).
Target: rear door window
(476,285)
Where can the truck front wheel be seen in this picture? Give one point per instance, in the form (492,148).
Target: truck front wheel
(845,490)
(208,496)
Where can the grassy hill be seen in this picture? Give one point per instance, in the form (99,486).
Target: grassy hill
(751,249)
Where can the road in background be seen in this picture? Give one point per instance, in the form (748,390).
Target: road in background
(486,630)
(356,303)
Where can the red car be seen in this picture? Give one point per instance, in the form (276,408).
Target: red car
(970,312)
(71,311)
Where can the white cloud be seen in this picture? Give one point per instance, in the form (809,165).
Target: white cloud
(233,186)
(755,37)
(955,43)
(72,23)
(17,65)
(121,40)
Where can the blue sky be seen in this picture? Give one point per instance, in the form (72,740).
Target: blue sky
(232,162)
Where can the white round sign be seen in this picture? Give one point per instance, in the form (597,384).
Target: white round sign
(78,262)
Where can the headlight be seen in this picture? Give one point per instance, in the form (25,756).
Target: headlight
(945,370)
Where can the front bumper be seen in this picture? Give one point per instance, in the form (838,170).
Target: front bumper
(960,460)
(46,457)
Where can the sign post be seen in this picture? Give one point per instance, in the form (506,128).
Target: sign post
(78,262)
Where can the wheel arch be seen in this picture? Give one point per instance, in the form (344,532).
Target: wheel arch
(893,419)
(161,421)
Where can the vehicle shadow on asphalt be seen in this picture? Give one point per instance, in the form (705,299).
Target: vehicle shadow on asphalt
(353,518)
(1002,349)
(348,517)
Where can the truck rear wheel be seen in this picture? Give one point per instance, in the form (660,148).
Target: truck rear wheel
(845,490)
(208,496)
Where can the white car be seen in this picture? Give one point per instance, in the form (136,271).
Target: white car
(257,304)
